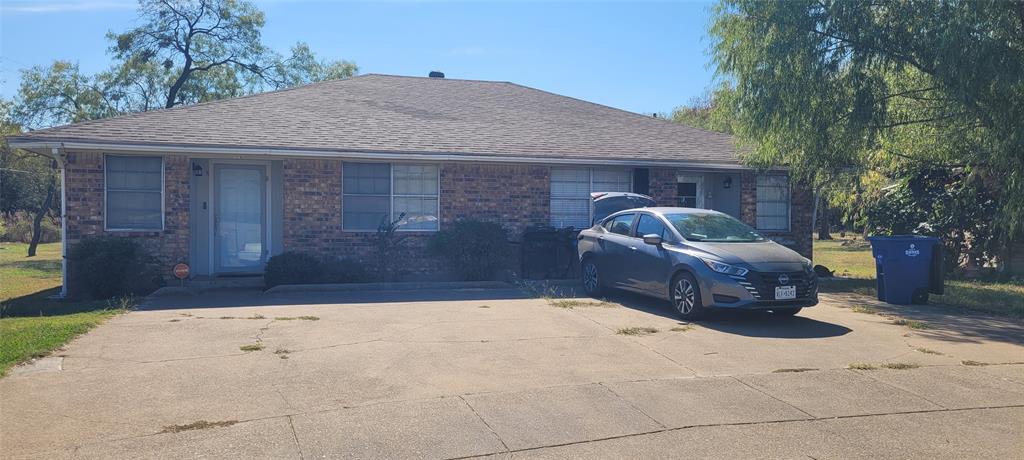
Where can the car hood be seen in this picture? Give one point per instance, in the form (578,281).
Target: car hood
(760,256)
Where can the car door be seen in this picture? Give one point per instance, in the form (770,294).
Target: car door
(615,245)
(648,264)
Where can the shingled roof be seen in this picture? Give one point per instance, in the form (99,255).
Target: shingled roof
(408,115)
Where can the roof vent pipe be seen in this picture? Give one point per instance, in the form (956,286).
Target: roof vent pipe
(435,74)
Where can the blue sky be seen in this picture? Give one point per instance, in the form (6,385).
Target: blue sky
(643,57)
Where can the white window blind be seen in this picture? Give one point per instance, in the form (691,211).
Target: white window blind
(773,202)
(571,188)
(374,193)
(134,193)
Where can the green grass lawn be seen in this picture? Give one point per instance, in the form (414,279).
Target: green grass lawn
(852,258)
(32,324)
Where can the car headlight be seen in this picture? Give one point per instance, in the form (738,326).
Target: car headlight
(808,265)
(725,268)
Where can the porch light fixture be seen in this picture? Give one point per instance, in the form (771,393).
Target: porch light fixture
(727,183)
(197,170)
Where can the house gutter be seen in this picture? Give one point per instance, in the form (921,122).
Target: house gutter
(246,152)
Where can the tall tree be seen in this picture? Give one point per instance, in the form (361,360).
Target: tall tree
(193,37)
(829,85)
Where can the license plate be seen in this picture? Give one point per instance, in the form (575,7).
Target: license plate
(785,292)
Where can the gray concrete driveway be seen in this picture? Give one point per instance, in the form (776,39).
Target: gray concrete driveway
(463,373)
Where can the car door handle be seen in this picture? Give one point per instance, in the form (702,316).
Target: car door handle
(632,248)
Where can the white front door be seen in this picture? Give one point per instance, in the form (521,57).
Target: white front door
(239,218)
(690,191)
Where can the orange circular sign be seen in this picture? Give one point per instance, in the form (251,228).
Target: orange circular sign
(181,271)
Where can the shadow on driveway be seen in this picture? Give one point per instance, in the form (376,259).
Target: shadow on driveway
(256,298)
(745,323)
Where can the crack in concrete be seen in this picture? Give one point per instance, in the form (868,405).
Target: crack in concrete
(295,436)
(630,404)
(488,425)
(713,425)
(770,396)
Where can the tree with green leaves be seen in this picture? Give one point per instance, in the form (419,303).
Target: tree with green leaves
(912,88)
(210,49)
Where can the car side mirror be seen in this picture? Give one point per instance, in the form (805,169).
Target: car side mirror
(653,239)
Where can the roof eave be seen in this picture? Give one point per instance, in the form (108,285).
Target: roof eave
(45,146)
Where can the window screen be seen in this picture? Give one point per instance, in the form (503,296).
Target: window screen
(375,193)
(415,195)
(134,193)
(366,201)
(571,188)
(773,202)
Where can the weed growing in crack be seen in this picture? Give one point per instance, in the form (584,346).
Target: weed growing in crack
(174,320)
(919,325)
(251,347)
(681,328)
(865,310)
(292,318)
(971,362)
(569,304)
(862,366)
(793,369)
(282,353)
(636,331)
(484,306)
(200,425)
(928,351)
(900,366)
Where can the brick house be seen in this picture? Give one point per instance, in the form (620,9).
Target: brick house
(224,185)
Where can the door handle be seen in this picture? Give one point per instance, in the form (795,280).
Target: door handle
(632,248)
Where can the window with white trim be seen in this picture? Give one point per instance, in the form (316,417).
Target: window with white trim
(134,193)
(375,193)
(571,188)
(773,202)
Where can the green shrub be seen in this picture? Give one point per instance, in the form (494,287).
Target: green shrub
(475,250)
(295,267)
(107,266)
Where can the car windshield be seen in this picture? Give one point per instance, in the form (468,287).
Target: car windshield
(713,227)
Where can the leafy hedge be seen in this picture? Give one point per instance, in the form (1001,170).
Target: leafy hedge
(474,249)
(108,266)
(295,267)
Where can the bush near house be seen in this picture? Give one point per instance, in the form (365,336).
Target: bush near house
(295,267)
(105,267)
(475,250)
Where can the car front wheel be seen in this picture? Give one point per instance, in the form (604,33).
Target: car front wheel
(591,278)
(685,295)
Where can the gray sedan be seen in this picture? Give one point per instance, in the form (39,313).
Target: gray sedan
(696,258)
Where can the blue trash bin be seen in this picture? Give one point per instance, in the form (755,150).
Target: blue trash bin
(904,267)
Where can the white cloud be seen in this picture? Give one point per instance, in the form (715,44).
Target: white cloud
(65,7)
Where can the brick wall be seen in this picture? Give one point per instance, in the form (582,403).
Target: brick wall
(662,186)
(84,195)
(517,196)
(514,195)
